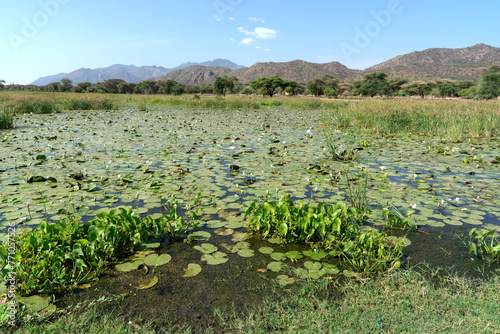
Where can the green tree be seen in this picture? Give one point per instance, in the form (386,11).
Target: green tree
(445,89)
(330,92)
(375,84)
(268,86)
(315,86)
(420,87)
(54,87)
(396,84)
(489,86)
(111,85)
(84,85)
(66,84)
(126,88)
(2,84)
(224,84)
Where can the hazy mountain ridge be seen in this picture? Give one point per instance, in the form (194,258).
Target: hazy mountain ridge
(196,74)
(464,63)
(129,73)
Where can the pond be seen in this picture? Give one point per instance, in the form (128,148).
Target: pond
(82,163)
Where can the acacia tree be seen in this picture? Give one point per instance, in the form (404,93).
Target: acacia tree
(224,84)
(421,87)
(375,84)
(489,86)
(268,85)
(66,84)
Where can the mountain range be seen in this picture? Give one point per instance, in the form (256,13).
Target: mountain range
(463,64)
(129,73)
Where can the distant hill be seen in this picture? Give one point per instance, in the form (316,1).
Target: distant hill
(196,74)
(466,63)
(128,73)
(297,70)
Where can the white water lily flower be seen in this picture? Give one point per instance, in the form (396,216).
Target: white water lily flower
(415,176)
(382,168)
(413,206)
(456,199)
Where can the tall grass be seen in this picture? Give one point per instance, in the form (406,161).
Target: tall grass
(450,120)
(6,119)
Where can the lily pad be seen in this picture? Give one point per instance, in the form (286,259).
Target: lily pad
(129,266)
(206,248)
(34,303)
(193,269)
(155,260)
(266,250)
(224,232)
(215,258)
(294,255)
(284,280)
(278,256)
(315,255)
(150,284)
(199,236)
(247,252)
(275,266)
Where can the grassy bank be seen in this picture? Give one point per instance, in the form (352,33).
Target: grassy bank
(409,301)
(404,302)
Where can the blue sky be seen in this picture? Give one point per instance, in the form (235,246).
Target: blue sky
(44,37)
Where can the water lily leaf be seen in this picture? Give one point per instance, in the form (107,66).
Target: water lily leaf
(193,269)
(199,236)
(294,255)
(150,284)
(215,258)
(330,269)
(310,265)
(155,260)
(247,252)
(34,303)
(278,256)
(206,248)
(266,250)
(284,280)
(240,236)
(275,241)
(129,266)
(315,255)
(224,232)
(275,266)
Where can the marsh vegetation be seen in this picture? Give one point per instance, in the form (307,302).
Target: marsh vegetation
(161,198)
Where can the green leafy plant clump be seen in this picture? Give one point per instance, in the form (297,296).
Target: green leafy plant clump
(331,227)
(485,244)
(56,257)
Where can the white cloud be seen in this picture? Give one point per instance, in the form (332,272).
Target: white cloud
(260,33)
(230,18)
(268,49)
(256,19)
(247,41)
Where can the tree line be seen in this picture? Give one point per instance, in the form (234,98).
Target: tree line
(373,84)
